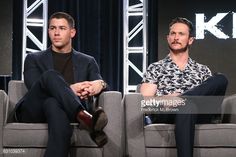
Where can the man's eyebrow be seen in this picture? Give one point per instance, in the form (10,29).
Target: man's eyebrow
(58,26)
(52,26)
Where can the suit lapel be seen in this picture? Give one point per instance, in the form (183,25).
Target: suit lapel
(75,60)
(47,60)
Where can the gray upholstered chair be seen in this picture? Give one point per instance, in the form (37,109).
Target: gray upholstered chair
(218,140)
(29,139)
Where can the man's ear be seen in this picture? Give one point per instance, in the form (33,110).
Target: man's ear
(73,32)
(190,41)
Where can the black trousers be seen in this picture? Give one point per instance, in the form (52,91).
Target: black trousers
(185,123)
(51,100)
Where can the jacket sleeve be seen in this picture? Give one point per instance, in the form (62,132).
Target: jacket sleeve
(31,71)
(93,70)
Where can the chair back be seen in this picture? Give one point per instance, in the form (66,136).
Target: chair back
(16,90)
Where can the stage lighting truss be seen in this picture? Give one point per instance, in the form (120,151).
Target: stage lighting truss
(135,43)
(35,18)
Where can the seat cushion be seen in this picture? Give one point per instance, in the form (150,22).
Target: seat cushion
(198,152)
(36,135)
(206,135)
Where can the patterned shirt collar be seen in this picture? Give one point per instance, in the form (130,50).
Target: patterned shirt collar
(190,63)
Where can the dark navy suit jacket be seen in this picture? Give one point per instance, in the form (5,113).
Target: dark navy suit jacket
(84,66)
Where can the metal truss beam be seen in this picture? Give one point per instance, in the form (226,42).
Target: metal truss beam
(135,43)
(35,16)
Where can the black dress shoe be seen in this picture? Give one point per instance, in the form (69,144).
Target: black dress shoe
(100,120)
(99,137)
(95,122)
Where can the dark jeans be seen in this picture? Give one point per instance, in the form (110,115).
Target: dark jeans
(51,100)
(185,123)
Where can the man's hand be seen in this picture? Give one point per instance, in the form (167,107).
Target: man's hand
(94,88)
(87,88)
(148,89)
(79,89)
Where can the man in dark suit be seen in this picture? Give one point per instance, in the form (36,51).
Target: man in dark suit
(59,81)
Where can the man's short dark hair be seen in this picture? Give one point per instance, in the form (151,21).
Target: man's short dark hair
(63,15)
(184,21)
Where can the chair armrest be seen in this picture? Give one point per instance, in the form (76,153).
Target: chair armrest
(4,100)
(110,101)
(229,109)
(3,104)
(134,125)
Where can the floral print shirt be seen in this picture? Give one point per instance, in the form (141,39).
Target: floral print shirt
(170,79)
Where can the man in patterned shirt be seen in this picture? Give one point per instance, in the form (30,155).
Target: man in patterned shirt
(179,75)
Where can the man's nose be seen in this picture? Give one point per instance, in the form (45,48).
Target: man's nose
(57,32)
(176,36)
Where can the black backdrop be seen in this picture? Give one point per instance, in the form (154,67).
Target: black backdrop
(99,34)
(5,37)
